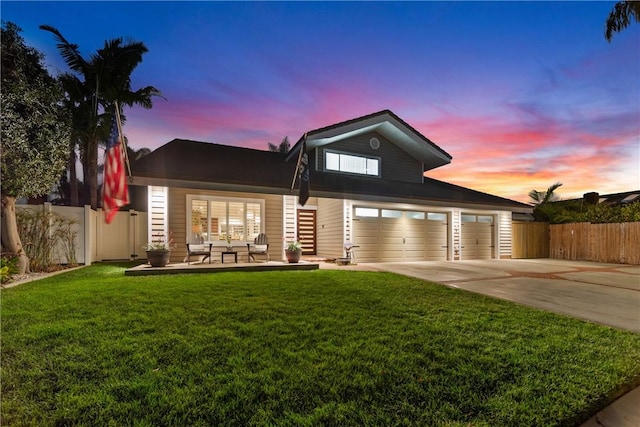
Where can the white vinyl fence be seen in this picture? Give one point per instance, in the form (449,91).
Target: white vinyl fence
(96,240)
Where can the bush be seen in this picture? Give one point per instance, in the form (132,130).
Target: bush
(574,211)
(47,238)
(8,267)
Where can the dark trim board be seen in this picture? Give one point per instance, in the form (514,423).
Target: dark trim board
(146,270)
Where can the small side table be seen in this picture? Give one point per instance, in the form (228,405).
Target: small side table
(234,253)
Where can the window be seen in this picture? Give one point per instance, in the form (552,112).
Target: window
(366,212)
(387,213)
(434,216)
(477,218)
(350,163)
(415,215)
(468,218)
(212,219)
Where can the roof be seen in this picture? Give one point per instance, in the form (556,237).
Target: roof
(194,161)
(385,123)
(620,198)
(614,199)
(194,164)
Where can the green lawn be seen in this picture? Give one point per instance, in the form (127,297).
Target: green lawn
(93,347)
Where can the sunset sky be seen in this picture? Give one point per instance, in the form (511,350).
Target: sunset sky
(521,94)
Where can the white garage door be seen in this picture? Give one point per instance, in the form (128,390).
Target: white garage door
(395,235)
(477,241)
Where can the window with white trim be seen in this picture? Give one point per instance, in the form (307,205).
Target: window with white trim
(212,219)
(351,163)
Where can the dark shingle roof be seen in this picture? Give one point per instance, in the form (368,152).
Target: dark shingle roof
(613,199)
(195,161)
(213,165)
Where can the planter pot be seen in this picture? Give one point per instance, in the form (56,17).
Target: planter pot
(158,258)
(293,256)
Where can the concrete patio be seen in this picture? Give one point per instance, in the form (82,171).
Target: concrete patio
(218,267)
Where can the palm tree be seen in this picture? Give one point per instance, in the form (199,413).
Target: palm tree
(135,155)
(283,148)
(76,103)
(544,210)
(106,84)
(620,17)
(542,197)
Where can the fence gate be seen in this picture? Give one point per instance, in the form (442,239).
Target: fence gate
(529,240)
(124,238)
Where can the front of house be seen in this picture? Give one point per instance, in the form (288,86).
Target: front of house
(367,188)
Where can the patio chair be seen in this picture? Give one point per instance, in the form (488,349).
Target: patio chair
(260,246)
(199,248)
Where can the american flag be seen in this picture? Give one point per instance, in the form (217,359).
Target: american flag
(115,191)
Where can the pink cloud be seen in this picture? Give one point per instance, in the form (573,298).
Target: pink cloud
(505,158)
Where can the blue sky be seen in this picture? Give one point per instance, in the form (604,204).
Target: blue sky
(521,94)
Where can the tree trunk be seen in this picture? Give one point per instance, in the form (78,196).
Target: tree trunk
(73,177)
(11,242)
(90,172)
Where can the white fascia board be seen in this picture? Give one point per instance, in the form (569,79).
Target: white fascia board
(390,128)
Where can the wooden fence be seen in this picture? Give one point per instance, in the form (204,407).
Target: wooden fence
(529,239)
(616,243)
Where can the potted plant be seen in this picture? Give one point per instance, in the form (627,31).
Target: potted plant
(159,250)
(293,252)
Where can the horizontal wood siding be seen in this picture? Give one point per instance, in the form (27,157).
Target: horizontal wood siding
(530,239)
(396,164)
(504,235)
(330,228)
(615,243)
(178,221)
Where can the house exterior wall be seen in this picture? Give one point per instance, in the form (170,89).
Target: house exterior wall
(400,243)
(334,224)
(395,163)
(330,228)
(502,233)
(177,224)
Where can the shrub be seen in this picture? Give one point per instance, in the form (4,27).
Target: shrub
(8,267)
(575,211)
(46,238)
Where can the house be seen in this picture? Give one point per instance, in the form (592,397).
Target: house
(367,187)
(615,199)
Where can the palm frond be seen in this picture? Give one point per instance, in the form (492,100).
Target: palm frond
(69,51)
(620,17)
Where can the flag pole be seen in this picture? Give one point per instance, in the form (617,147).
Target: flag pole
(124,143)
(293,183)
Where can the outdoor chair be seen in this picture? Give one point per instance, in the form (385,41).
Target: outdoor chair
(199,248)
(260,246)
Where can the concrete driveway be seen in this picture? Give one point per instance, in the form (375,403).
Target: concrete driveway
(603,293)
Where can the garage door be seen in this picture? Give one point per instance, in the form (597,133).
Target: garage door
(477,241)
(396,235)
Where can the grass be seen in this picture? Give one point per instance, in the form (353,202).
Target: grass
(92,347)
